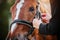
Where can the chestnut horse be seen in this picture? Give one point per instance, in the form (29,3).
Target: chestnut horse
(23,13)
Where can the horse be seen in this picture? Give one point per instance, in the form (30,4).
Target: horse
(23,13)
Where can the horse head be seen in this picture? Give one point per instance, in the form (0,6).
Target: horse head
(23,13)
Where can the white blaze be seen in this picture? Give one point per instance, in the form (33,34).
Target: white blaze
(18,7)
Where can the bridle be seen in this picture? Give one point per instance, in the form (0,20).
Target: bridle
(24,22)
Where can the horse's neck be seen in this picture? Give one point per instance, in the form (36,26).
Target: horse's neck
(35,35)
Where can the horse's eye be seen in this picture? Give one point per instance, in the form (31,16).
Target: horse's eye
(31,9)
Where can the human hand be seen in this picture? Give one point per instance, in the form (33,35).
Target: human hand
(36,23)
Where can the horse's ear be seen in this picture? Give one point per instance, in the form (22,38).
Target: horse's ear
(17,1)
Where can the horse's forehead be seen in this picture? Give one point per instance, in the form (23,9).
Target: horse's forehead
(30,3)
(26,1)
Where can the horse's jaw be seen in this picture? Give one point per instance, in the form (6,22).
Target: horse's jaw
(20,36)
(19,33)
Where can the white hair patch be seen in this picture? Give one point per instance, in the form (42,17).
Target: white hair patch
(18,7)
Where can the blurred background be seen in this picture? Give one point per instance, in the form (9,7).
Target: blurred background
(5,17)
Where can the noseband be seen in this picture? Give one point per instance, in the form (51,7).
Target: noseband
(24,22)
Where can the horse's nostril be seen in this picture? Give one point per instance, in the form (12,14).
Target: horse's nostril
(18,35)
(16,39)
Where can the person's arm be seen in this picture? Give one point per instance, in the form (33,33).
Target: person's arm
(49,28)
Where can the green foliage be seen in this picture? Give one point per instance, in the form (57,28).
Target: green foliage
(4,17)
(10,2)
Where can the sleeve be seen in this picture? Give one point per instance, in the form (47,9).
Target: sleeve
(48,29)
(52,27)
